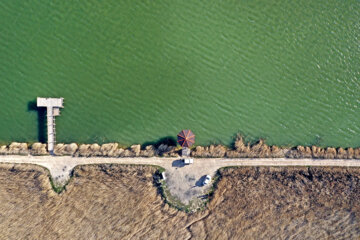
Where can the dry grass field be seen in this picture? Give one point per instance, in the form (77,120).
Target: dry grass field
(121,202)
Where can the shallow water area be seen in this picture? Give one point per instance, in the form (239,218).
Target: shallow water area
(136,71)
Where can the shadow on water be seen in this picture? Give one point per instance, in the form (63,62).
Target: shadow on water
(41,112)
(169,140)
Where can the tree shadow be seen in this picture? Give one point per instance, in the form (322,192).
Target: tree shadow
(178,163)
(41,113)
(200,182)
(169,140)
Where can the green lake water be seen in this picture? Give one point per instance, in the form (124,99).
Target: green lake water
(137,71)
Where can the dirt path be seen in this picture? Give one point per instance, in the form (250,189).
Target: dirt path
(183,182)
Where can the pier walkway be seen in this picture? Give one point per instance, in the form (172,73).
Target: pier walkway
(53,106)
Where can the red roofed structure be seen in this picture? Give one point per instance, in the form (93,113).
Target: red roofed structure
(186,138)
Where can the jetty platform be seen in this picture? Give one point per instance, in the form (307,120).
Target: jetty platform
(53,106)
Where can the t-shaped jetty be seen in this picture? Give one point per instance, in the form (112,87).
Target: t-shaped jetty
(53,106)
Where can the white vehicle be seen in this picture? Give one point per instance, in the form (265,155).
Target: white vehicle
(207,180)
(188,161)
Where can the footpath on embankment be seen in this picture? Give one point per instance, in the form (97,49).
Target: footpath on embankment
(61,166)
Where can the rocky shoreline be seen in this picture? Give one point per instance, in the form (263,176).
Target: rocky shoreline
(240,150)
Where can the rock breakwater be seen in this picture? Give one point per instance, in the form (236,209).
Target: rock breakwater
(240,150)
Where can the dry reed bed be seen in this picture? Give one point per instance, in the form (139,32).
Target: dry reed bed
(121,202)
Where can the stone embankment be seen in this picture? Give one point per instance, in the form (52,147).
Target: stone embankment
(90,150)
(240,150)
(262,150)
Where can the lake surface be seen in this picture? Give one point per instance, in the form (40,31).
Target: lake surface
(137,71)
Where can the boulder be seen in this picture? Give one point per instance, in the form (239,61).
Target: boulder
(307,152)
(260,150)
(197,152)
(241,147)
(294,152)
(3,150)
(217,151)
(300,149)
(330,152)
(84,150)
(357,153)
(341,153)
(127,153)
(117,152)
(38,149)
(298,152)
(109,149)
(163,149)
(148,152)
(171,152)
(275,151)
(95,149)
(232,154)
(350,153)
(136,149)
(239,144)
(65,149)
(59,149)
(70,149)
(18,148)
(317,152)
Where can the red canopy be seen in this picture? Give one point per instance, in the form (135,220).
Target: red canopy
(186,138)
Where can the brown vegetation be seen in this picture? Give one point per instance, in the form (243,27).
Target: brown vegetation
(101,202)
(121,202)
(284,203)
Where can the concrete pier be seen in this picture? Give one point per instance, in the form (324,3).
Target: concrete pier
(53,106)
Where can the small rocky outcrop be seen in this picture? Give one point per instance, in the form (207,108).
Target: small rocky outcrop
(341,153)
(71,148)
(172,151)
(62,149)
(217,151)
(135,149)
(241,147)
(94,150)
(149,151)
(276,152)
(307,153)
(109,149)
(240,150)
(18,148)
(162,149)
(165,150)
(295,152)
(59,149)
(233,154)
(4,150)
(260,150)
(330,153)
(38,149)
(357,153)
(317,152)
(127,153)
(350,153)
(210,151)
(198,151)
(84,150)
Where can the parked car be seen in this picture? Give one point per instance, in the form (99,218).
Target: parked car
(207,180)
(188,161)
